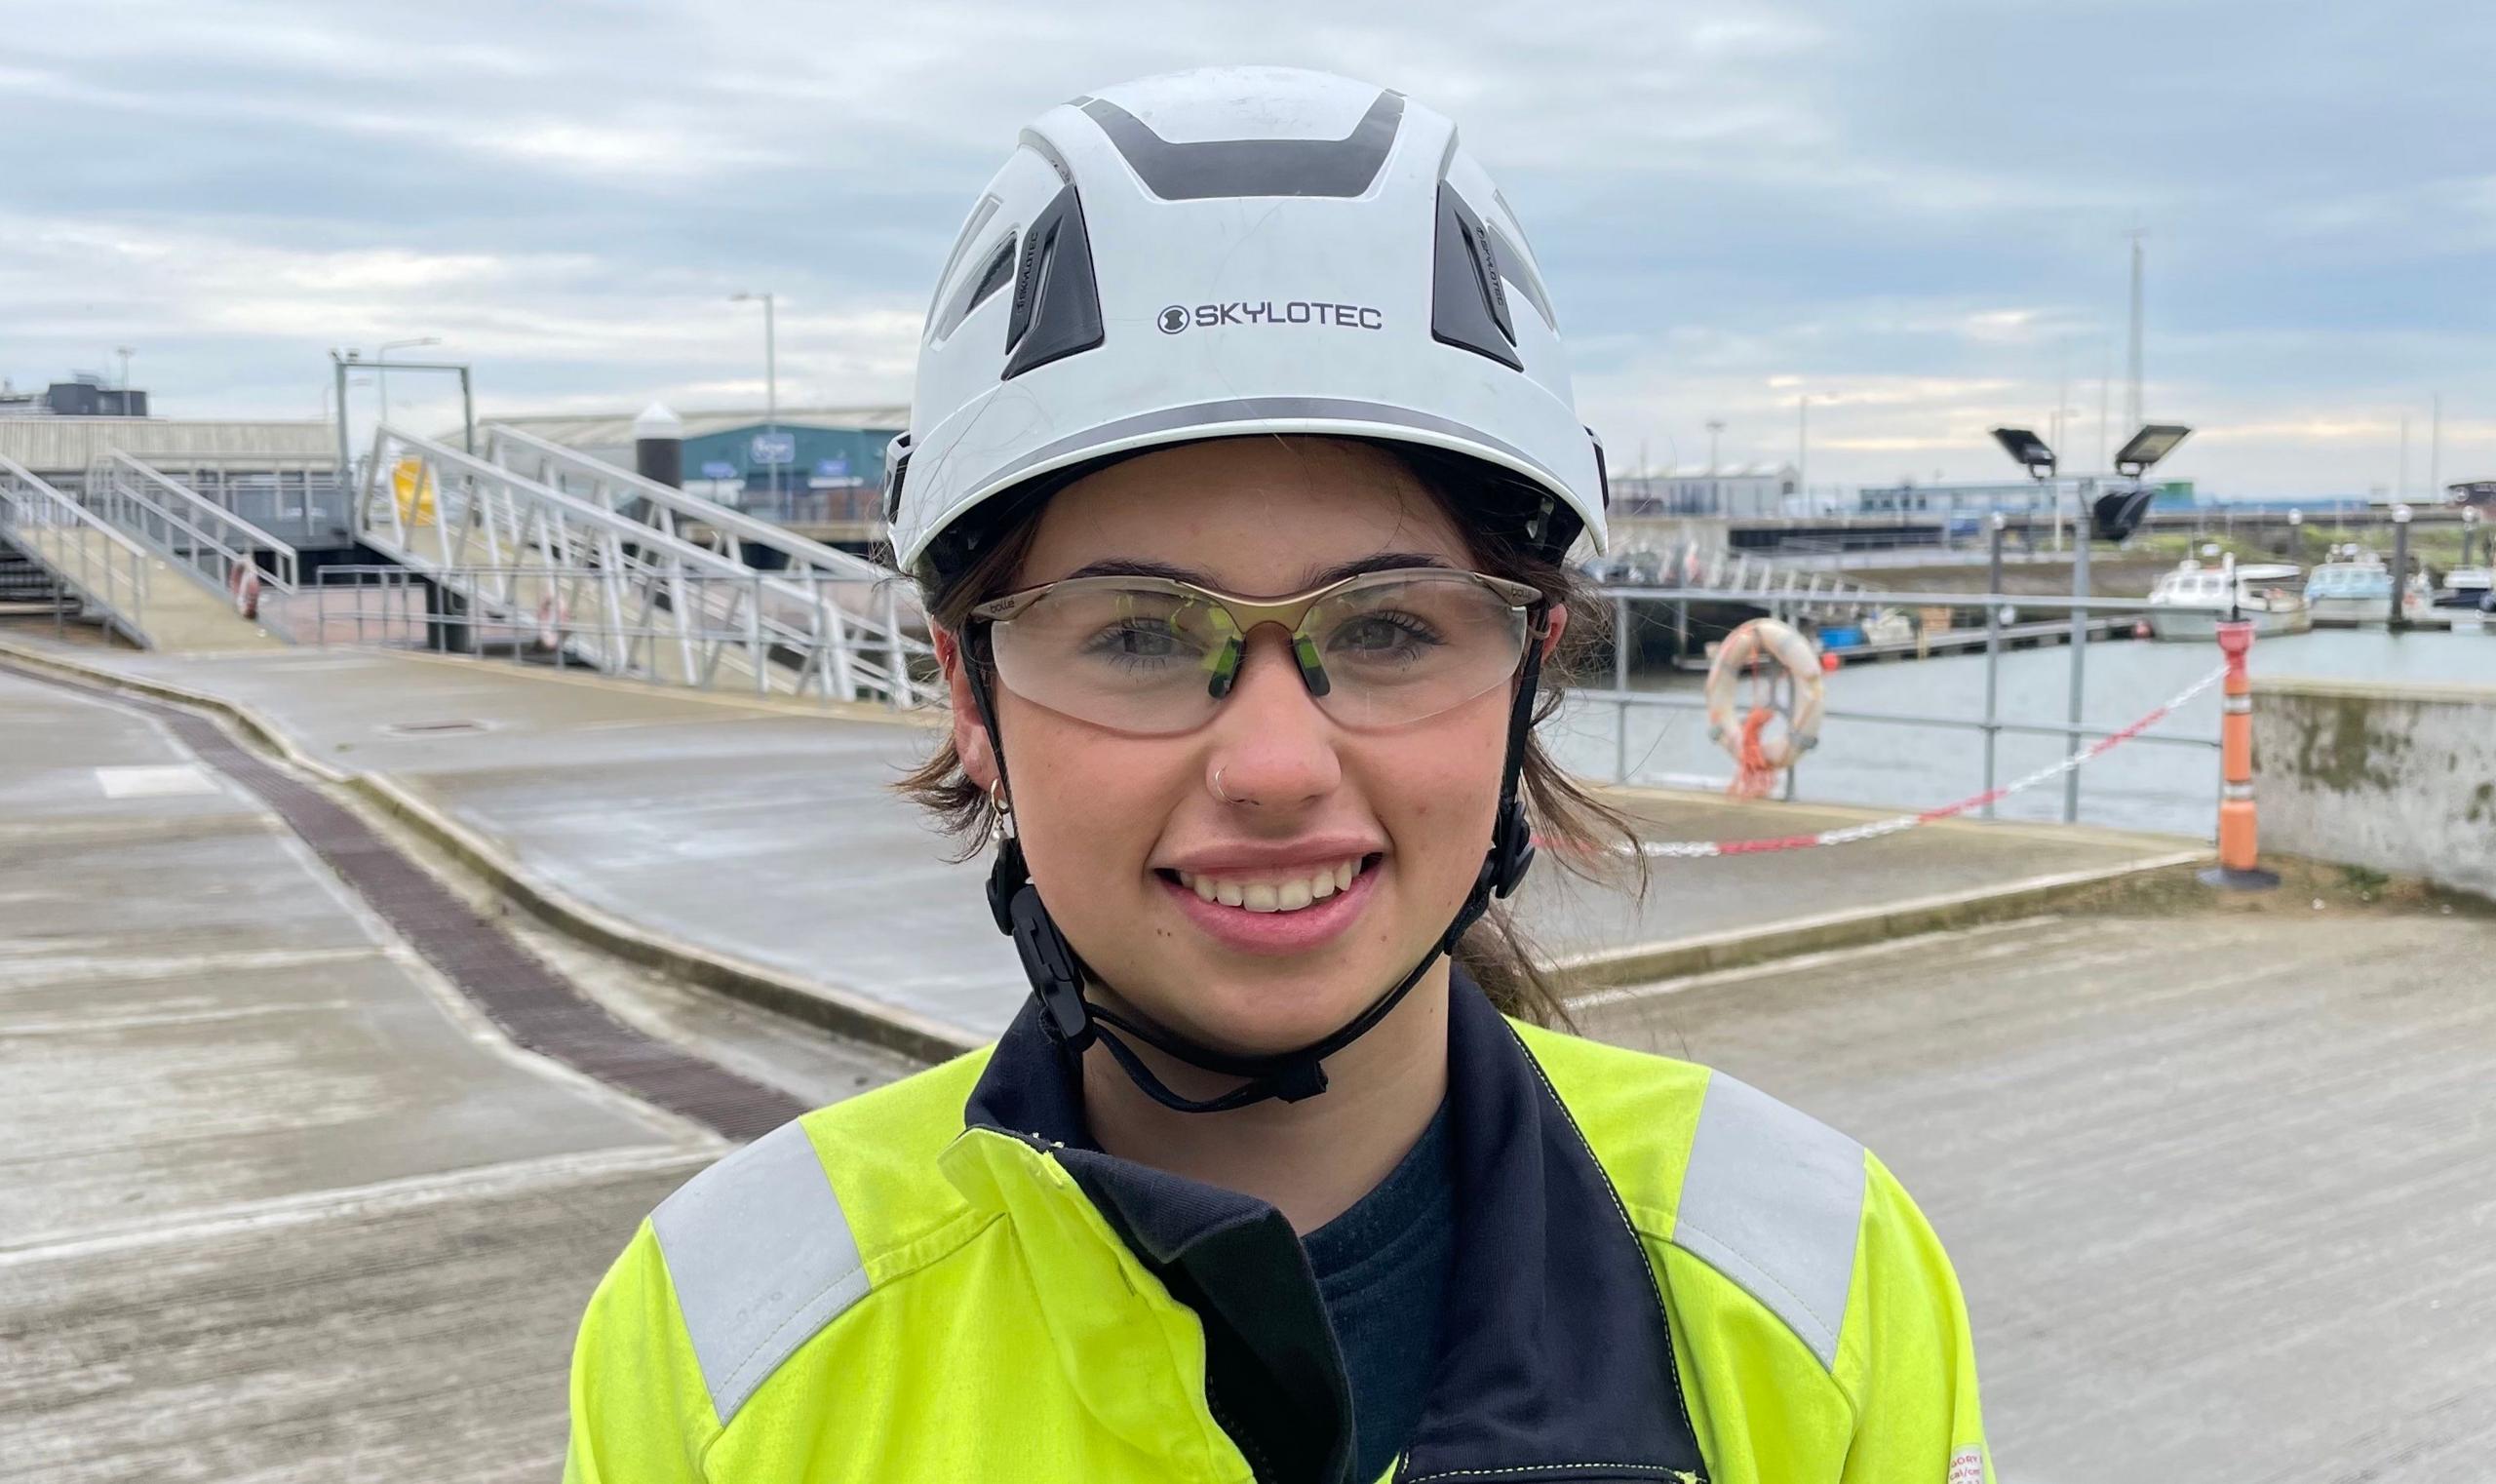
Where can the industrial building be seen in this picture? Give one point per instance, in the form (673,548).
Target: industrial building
(816,469)
(1736,490)
(83,395)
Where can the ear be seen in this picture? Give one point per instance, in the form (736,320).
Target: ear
(971,742)
(1553,626)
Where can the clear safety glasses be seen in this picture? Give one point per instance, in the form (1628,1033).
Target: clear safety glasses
(1149,655)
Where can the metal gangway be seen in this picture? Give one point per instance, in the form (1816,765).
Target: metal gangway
(863,606)
(1739,576)
(209,543)
(128,531)
(105,570)
(626,575)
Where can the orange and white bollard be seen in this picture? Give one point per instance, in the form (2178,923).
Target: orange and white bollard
(2239,836)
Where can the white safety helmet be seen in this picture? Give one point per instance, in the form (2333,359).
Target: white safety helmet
(1225,252)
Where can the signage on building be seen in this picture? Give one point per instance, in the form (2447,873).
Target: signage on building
(719,469)
(835,467)
(775,448)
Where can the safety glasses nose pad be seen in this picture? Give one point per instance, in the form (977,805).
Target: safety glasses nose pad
(1312,670)
(1221,669)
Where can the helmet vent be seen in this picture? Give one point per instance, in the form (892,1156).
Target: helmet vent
(1468,307)
(990,277)
(1210,169)
(1057,300)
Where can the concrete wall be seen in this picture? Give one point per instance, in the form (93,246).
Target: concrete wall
(2398,776)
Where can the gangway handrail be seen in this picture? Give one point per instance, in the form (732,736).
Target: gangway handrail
(201,518)
(1877,598)
(638,562)
(121,593)
(727,518)
(588,511)
(811,563)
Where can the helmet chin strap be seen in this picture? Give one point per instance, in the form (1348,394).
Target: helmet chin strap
(1074,1023)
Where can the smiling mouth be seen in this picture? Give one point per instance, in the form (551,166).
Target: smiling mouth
(1289,894)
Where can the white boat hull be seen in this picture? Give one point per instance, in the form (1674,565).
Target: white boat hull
(2181,623)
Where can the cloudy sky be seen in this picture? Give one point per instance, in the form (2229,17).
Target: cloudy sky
(1915,212)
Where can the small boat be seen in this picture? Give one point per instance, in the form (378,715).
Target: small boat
(1888,626)
(2352,586)
(2468,587)
(2192,600)
(2355,587)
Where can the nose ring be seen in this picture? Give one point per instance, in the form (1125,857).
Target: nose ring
(1223,794)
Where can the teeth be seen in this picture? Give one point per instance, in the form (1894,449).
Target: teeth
(1274,896)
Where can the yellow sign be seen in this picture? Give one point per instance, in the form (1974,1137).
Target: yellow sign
(414,483)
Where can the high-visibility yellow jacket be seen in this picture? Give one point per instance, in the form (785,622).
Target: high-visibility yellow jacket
(1660,1274)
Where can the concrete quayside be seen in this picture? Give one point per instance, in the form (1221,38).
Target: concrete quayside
(2139,1112)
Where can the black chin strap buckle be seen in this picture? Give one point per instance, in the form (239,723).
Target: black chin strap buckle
(1057,979)
(1048,959)
(1299,1080)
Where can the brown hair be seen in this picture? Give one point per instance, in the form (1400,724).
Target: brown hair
(1574,829)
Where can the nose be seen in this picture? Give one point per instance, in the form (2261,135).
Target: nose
(1271,747)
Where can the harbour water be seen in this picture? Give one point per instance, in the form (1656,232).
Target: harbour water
(2142,784)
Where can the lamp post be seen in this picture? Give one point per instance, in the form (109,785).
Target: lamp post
(381,359)
(2033,455)
(2400,619)
(125,352)
(770,381)
(1803,448)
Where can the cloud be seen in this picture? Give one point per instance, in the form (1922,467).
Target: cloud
(1915,212)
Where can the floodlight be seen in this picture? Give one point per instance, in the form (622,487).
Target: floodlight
(2116,515)
(2152,442)
(2027,448)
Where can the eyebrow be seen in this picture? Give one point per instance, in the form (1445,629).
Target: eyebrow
(1380,561)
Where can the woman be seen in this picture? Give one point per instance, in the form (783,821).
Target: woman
(1241,473)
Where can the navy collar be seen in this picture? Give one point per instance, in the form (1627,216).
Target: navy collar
(1555,1361)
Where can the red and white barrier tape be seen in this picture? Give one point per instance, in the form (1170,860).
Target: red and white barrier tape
(1699,850)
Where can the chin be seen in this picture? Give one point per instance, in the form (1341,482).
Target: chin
(1260,1015)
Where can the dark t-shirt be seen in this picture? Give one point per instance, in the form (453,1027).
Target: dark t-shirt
(1381,1270)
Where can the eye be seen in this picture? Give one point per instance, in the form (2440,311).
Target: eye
(1135,638)
(1381,634)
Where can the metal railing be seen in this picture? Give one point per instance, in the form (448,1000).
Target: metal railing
(207,541)
(1749,574)
(304,500)
(842,591)
(1786,603)
(555,616)
(639,600)
(106,569)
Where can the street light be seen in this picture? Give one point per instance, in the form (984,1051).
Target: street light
(2119,513)
(2027,448)
(381,358)
(125,352)
(2030,452)
(770,382)
(2153,442)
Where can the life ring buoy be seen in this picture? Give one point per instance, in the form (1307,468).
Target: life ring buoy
(1741,731)
(243,585)
(550,622)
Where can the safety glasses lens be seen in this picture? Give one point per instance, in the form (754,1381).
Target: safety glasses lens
(1388,650)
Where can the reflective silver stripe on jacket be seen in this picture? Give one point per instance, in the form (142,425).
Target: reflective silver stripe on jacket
(762,1260)
(1773,1199)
